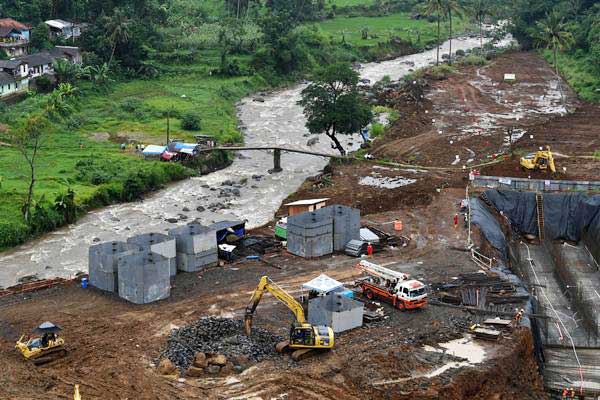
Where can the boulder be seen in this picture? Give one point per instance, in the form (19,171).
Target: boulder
(229,368)
(200,361)
(194,372)
(166,367)
(213,369)
(218,359)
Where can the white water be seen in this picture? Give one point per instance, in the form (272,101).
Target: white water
(276,121)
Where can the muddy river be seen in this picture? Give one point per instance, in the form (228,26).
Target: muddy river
(244,190)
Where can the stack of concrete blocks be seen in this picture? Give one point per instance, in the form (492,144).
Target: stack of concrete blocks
(158,243)
(144,277)
(336,311)
(322,232)
(196,247)
(310,234)
(103,264)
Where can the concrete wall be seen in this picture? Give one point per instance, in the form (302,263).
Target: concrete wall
(338,312)
(158,244)
(497,182)
(144,277)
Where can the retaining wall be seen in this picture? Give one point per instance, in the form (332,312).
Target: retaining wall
(499,182)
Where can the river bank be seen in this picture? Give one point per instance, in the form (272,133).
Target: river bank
(244,190)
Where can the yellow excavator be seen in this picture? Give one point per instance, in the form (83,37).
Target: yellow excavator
(304,337)
(44,349)
(541,160)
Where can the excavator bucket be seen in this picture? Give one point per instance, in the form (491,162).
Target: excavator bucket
(248,324)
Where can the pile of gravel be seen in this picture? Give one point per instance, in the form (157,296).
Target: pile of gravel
(220,336)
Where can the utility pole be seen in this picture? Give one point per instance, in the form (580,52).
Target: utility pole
(468,217)
(169,123)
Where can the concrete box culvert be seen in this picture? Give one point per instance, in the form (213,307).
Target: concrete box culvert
(144,277)
(337,311)
(310,235)
(103,261)
(194,238)
(158,243)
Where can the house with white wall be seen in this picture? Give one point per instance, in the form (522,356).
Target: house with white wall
(14,37)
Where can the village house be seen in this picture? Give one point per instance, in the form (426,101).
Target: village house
(15,74)
(63,29)
(14,37)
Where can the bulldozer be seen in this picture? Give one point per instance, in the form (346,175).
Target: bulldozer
(541,160)
(304,338)
(45,349)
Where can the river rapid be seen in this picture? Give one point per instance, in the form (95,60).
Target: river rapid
(250,192)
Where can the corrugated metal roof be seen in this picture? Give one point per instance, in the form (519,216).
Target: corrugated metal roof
(35,60)
(154,150)
(307,202)
(218,226)
(58,23)
(10,64)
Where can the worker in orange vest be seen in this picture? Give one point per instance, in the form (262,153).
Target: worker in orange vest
(455,221)
(369,249)
(565,394)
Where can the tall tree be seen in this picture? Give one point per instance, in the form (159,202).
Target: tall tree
(333,105)
(118,28)
(480,9)
(552,33)
(452,7)
(435,8)
(28,140)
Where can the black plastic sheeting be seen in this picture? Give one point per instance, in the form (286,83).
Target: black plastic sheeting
(566,215)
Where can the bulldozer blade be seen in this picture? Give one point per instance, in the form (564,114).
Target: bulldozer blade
(49,357)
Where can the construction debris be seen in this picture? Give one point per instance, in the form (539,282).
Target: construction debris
(218,336)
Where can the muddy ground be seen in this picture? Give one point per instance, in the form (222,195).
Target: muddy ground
(114,345)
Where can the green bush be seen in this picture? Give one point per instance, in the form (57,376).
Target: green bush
(377,130)
(190,122)
(44,84)
(131,104)
(440,72)
(12,234)
(473,59)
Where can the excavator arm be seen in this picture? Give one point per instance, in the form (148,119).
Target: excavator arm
(267,284)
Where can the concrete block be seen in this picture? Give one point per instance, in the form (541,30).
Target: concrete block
(196,262)
(144,277)
(158,243)
(103,263)
(194,238)
(337,311)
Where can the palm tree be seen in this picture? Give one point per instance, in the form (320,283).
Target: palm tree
(66,71)
(552,33)
(452,7)
(99,75)
(437,8)
(118,27)
(480,9)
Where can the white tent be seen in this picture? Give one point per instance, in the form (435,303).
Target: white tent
(322,284)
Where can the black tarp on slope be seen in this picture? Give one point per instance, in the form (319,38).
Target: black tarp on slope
(566,215)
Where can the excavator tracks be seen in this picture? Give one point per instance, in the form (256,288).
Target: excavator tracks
(49,356)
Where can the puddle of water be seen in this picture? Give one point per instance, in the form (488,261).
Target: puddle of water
(464,347)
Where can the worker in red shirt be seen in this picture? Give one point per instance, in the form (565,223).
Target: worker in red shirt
(455,221)
(565,394)
(369,249)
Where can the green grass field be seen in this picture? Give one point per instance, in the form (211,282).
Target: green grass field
(382,28)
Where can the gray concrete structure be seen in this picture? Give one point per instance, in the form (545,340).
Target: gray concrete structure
(103,264)
(323,231)
(500,182)
(337,311)
(144,277)
(196,247)
(310,235)
(158,243)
